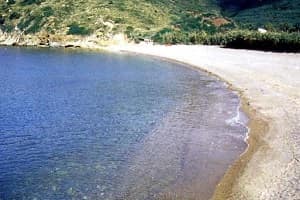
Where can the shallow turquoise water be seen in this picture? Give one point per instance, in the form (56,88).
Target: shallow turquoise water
(86,125)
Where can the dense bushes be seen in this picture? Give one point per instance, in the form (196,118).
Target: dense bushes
(271,41)
(254,40)
(279,27)
(170,36)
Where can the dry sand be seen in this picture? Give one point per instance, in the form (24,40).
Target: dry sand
(269,84)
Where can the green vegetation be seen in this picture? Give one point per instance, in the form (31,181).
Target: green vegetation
(75,29)
(164,21)
(271,41)
(277,16)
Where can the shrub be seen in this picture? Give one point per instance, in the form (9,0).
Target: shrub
(47,11)
(129,31)
(2,20)
(10,2)
(14,15)
(8,27)
(30,2)
(76,29)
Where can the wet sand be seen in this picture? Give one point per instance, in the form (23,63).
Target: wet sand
(269,85)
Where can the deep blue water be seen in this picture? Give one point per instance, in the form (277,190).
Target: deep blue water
(89,125)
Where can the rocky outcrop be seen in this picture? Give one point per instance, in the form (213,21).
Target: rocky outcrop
(18,38)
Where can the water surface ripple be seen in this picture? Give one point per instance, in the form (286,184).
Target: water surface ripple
(86,125)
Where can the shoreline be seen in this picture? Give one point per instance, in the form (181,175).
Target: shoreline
(256,125)
(270,166)
(253,175)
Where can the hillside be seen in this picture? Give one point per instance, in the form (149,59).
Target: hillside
(281,15)
(143,16)
(166,21)
(90,16)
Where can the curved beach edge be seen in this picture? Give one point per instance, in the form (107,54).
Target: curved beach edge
(268,86)
(258,127)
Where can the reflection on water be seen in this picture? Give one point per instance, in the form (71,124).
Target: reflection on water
(83,125)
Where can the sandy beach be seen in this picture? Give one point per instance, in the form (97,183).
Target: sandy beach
(269,85)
